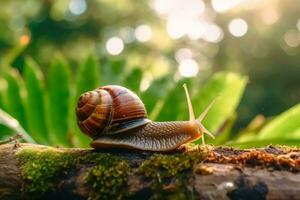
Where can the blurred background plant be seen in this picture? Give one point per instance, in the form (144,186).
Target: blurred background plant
(245,51)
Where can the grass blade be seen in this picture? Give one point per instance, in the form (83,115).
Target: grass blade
(12,123)
(35,107)
(58,102)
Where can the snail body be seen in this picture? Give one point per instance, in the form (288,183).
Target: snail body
(115,117)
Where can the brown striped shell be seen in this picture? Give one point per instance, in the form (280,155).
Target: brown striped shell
(109,110)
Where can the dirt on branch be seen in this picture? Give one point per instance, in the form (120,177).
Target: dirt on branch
(40,172)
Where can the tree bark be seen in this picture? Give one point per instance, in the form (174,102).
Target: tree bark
(223,173)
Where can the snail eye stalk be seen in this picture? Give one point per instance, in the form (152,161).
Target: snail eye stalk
(201,117)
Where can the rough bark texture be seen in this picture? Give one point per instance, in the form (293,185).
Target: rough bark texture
(220,173)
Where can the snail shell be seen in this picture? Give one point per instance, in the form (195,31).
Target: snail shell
(110,110)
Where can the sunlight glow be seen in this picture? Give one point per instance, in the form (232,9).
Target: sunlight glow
(143,33)
(238,27)
(196,30)
(114,45)
(188,68)
(166,7)
(77,7)
(269,16)
(222,6)
(183,54)
(183,18)
(176,27)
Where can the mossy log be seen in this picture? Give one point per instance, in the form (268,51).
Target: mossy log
(30,171)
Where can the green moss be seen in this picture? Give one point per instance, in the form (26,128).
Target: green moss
(39,167)
(43,167)
(168,173)
(109,181)
(108,176)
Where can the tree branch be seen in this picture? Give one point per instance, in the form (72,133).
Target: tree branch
(36,171)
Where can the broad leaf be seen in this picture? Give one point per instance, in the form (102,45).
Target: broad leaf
(264,142)
(174,105)
(88,76)
(133,80)
(283,125)
(154,96)
(4,131)
(87,79)
(228,88)
(113,72)
(35,107)
(13,99)
(58,101)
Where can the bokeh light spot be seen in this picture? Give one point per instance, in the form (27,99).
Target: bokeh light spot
(188,68)
(24,40)
(114,45)
(222,6)
(143,33)
(292,38)
(77,7)
(213,33)
(298,25)
(238,27)
(196,30)
(183,54)
(269,16)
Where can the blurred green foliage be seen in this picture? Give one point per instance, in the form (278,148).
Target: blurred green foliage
(45,107)
(256,76)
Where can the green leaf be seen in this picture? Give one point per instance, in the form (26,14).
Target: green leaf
(3,88)
(35,107)
(225,133)
(174,104)
(4,131)
(87,79)
(13,99)
(133,80)
(264,142)
(88,76)
(296,133)
(283,125)
(58,102)
(154,96)
(113,72)
(228,88)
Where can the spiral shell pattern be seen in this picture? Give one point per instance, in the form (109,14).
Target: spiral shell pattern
(105,109)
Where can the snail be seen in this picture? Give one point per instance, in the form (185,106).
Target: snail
(115,117)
